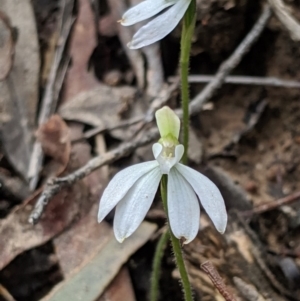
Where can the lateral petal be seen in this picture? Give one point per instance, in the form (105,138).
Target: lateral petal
(120,184)
(144,10)
(209,195)
(132,209)
(183,207)
(160,26)
(156,149)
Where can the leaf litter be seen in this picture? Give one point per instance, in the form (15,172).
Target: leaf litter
(20,90)
(247,142)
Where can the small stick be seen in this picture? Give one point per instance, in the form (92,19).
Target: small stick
(49,98)
(98,130)
(245,80)
(217,280)
(272,205)
(282,12)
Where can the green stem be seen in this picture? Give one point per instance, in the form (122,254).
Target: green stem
(188,27)
(156,265)
(188,296)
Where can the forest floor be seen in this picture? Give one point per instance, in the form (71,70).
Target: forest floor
(77,106)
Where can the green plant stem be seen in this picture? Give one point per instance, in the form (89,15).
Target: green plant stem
(156,265)
(188,296)
(188,27)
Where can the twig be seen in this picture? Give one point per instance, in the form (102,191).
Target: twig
(125,34)
(54,185)
(272,205)
(245,80)
(227,66)
(216,279)
(95,131)
(248,291)
(196,105)
(287,20)
(49,101)
(154,73)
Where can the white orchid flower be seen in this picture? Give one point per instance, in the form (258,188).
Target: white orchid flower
(133,189)
(160,26)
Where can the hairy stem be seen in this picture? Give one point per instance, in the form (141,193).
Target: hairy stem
(156,265)
(186,41)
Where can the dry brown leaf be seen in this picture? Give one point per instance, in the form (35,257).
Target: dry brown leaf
(100,107)
(86,237)
(54,136)
(6,46)
(82,44)
(19,91)
(17,235)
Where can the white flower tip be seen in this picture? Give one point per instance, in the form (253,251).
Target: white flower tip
(130,46)
(124,21)
(185,240)
(133,45)
(100,216)
(120,240)
(222,225)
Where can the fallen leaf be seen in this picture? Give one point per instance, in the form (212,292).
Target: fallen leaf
(17,235)
(92,277)
(19,91)
(54,137)
(100,106)
(82,44)
(86,237)
(6,46)
(120,288)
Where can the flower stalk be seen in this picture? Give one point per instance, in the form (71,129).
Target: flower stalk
(188,27)
(156,265)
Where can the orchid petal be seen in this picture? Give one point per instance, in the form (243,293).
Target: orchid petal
(209,195)
(179,150)
(183,207)
(144,10)
(156,149)
(160,26)
(120,184)
(132,209)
